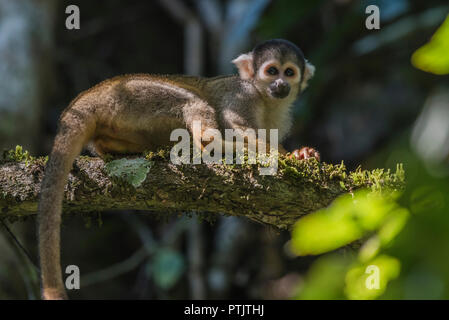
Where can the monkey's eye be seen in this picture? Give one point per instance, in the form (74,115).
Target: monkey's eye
(272,71)
(289,72)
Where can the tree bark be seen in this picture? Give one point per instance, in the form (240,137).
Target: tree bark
(298,188)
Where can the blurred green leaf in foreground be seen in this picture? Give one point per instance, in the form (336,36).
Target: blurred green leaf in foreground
(367,214)
(402,251)
(434,56)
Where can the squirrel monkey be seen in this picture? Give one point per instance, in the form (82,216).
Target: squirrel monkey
(133,113)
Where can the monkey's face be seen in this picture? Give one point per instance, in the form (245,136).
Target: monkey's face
(277,68)
(278,80)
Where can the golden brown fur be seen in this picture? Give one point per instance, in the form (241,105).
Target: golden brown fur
(133,113)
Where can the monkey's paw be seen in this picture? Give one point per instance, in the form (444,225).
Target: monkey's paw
(305,153)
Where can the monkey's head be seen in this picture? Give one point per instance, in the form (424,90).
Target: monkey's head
(277,68)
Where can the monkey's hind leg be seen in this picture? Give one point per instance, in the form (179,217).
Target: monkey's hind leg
(72,135)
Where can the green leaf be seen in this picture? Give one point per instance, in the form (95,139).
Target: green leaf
(369,280)
(325,230)
(325,279)
(134,171)
(434,56)
(346,220)
(393,225)
(167,267)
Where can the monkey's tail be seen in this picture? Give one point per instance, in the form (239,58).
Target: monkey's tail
(67,146)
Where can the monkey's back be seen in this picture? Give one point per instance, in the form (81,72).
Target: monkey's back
(139,111)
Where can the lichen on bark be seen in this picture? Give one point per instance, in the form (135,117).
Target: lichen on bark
(298,188)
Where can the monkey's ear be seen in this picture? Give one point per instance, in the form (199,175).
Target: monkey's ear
(244,64)
(308,74)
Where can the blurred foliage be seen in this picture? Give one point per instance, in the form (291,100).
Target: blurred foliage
(349,218)
(358,276)
(166,267)
(434,56)
(291,12)
(405,235)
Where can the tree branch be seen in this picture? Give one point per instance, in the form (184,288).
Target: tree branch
(298,188)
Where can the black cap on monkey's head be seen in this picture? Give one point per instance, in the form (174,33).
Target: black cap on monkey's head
(278,49)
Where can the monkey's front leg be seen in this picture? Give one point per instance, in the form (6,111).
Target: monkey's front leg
(301,154)
(305,153)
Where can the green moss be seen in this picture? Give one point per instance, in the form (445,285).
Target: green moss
(313,171)
(310,170)
(379,179)
(17,155)
(307,175)
(161,154)
(20,155)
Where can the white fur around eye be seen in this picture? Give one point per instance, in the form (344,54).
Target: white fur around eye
(297,76)
(263,75)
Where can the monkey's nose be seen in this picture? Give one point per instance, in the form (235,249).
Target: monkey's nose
(283,86)
(280,89)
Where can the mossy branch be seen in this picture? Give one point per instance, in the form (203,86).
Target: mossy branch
(156,185)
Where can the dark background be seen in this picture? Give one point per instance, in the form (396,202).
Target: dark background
(361,104)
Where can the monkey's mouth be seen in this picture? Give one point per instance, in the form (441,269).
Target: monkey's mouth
(279,90)
(279,94)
